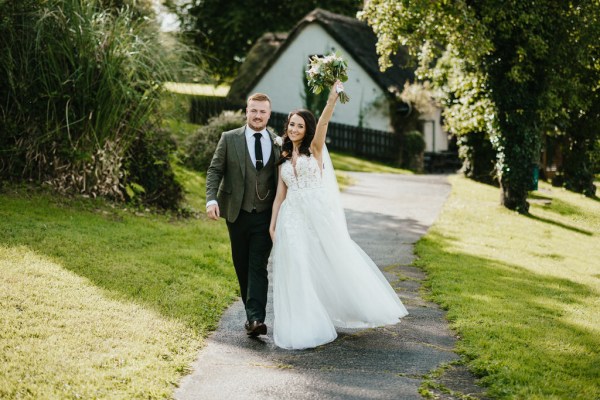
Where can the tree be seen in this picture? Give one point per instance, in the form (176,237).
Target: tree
(582,136)
(579,119)
(507,47)
(467,111)
(225,31)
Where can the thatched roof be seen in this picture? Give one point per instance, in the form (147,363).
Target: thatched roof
(356,37)
(256,64)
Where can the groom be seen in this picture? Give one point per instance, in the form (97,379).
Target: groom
(240,186)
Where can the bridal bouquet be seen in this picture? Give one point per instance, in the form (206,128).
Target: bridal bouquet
(323,72)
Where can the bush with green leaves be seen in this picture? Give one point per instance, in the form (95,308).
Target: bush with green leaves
(595,157)
(149,162)
(478,157)
(200,146)
(412,150)
(577,172)
(80,83)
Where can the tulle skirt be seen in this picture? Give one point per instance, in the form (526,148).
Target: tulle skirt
(321,278)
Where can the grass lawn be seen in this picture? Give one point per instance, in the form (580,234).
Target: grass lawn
(98,302)
(522,292)
(345,162)
(197,89)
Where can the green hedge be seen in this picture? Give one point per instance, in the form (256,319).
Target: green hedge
(200,147)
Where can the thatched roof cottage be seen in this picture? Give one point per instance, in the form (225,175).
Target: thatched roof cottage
(276,63)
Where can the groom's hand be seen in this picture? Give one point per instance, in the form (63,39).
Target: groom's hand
(213,211)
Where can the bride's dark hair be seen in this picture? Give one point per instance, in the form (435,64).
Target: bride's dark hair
(310,124)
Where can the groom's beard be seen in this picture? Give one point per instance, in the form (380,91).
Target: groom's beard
(258,125)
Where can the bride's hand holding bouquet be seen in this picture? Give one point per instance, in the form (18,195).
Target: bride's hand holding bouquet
(324,72)
(335,91)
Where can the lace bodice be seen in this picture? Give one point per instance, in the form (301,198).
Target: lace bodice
(307,174)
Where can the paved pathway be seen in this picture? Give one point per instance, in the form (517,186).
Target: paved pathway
(386,215)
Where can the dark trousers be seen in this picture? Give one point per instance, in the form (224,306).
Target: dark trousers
(250,248)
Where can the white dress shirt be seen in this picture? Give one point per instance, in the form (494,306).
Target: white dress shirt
(265,143)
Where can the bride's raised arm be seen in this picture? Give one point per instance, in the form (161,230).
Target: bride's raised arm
(318,141)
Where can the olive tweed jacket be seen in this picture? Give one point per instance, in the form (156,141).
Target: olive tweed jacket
(226,173)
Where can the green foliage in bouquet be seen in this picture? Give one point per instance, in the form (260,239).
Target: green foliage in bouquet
(313,102)
(324,71)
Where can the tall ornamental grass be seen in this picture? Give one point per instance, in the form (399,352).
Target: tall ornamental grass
(79,85)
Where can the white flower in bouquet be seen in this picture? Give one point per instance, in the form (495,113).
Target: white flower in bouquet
(324,71)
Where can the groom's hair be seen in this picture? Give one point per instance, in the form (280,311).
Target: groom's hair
(259,97)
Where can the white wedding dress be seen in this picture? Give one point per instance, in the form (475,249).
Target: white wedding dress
(321,278)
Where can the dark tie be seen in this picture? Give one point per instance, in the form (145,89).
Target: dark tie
(258,151)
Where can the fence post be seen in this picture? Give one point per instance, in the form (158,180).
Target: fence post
(359,141)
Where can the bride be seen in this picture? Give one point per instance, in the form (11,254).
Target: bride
(321,278)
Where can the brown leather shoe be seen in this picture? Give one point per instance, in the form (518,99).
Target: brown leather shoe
(255,328)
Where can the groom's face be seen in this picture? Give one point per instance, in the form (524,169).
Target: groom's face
(257,114)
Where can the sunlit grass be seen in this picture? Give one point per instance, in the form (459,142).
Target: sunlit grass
(345,162)
(521,291)
(197,89)
(99,302)
(63,337)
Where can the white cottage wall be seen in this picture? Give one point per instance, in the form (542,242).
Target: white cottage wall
(283,82)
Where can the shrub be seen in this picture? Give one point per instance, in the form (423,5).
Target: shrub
(150,178)
(595,157)
(200,147)
(412,150)
(577,172)
(478,157)
(80,83)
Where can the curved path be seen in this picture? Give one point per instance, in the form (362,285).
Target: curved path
(386,215)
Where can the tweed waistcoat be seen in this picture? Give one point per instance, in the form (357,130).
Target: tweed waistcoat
(259,190)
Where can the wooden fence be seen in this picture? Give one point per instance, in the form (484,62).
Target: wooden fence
(204,107)
(363,142)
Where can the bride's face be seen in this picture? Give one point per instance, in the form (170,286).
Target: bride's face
(296,129)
